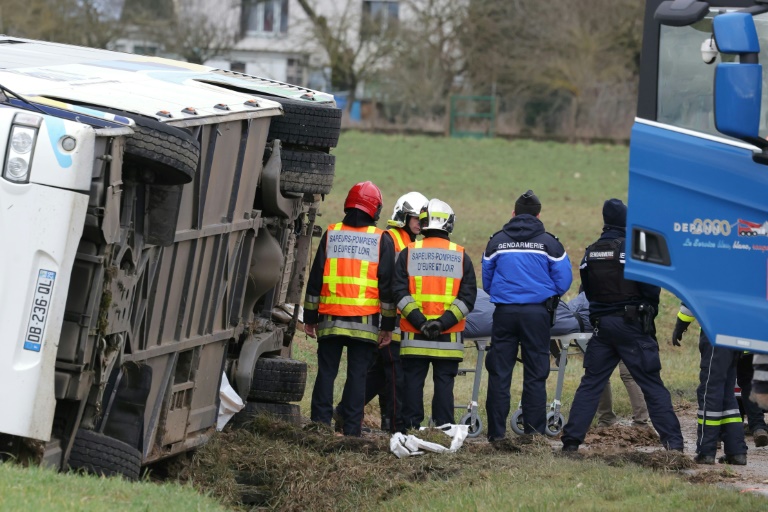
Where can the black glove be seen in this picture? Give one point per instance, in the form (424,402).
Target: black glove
(677,335)
(432,329)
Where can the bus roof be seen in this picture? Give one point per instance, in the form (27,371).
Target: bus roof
(167,90)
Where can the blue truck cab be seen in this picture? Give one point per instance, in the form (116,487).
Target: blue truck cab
(698,170)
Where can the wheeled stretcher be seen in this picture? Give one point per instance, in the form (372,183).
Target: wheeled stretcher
(560,347)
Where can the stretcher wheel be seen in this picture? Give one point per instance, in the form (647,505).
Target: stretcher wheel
(474,428)
(516,422)
(555,422)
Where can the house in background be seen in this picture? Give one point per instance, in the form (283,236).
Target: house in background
(277,38)
(270,38)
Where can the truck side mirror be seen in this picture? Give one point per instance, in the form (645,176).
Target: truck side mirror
(738,86)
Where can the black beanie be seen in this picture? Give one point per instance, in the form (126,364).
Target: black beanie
(528,203)
(615,213)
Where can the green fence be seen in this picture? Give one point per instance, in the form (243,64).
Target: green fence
(473,116)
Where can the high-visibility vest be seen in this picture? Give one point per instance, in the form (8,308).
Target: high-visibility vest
(350,275)
(435,268)
(401,238)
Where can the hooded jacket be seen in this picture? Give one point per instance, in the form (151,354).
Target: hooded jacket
(523,264)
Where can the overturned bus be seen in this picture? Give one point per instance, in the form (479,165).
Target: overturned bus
(156,219)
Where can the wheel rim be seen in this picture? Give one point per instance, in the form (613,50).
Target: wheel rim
(475,428)
(554,424)
(517,423)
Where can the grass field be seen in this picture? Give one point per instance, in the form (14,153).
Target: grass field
(39,489)
(480,179)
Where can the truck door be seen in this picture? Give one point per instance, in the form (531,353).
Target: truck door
(697,204)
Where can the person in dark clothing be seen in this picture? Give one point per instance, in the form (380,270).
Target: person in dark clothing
(349,304)
(622,312)
(525,271)
(719,418)
(755,415)
(570,317)
(759,393)
(385,377)
(435,289)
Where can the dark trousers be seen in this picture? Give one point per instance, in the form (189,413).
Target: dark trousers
(718,416)
(744,373)
(385,380)
(516,326)
(616,339)
(359,357)
(444,373)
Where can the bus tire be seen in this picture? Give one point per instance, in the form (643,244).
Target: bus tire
(277,379)
(100,454)
(306,124)
(168,153)
(288,413)
(307,171)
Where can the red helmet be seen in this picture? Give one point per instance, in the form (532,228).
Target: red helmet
(365,196)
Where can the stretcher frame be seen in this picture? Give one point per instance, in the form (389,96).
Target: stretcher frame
(561,347)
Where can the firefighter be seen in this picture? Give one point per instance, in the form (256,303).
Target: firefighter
(385,377)
(718,416)
(349,304)
(435,289)
(525,271)
(622,313)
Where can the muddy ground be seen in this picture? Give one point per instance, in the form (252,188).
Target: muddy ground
(622,438)
(624,441)
(240,465)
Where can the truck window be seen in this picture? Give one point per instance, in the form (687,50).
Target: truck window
(686,81)
(697,217)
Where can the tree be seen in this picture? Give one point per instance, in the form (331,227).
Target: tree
(573,63)
(427,59)
(192,30)
(92,23)
(199,36)
(354,48)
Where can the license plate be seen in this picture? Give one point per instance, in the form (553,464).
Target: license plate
(39,314)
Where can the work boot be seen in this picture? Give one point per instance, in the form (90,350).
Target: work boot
(338,421)
(761,437)
(700,458)
(736,459)
(570,447)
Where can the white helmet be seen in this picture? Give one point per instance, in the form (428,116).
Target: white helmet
(437,215)
(409,204)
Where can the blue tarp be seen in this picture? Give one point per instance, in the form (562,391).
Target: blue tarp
(480,320)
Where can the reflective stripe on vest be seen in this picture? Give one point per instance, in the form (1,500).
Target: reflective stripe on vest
(399,236)
(435,269)
(366,329)
(350,276)
(453,349)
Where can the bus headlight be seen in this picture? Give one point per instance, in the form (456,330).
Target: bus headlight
(21,145)
(17,169)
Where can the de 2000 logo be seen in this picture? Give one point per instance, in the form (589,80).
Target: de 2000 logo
(704,227)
